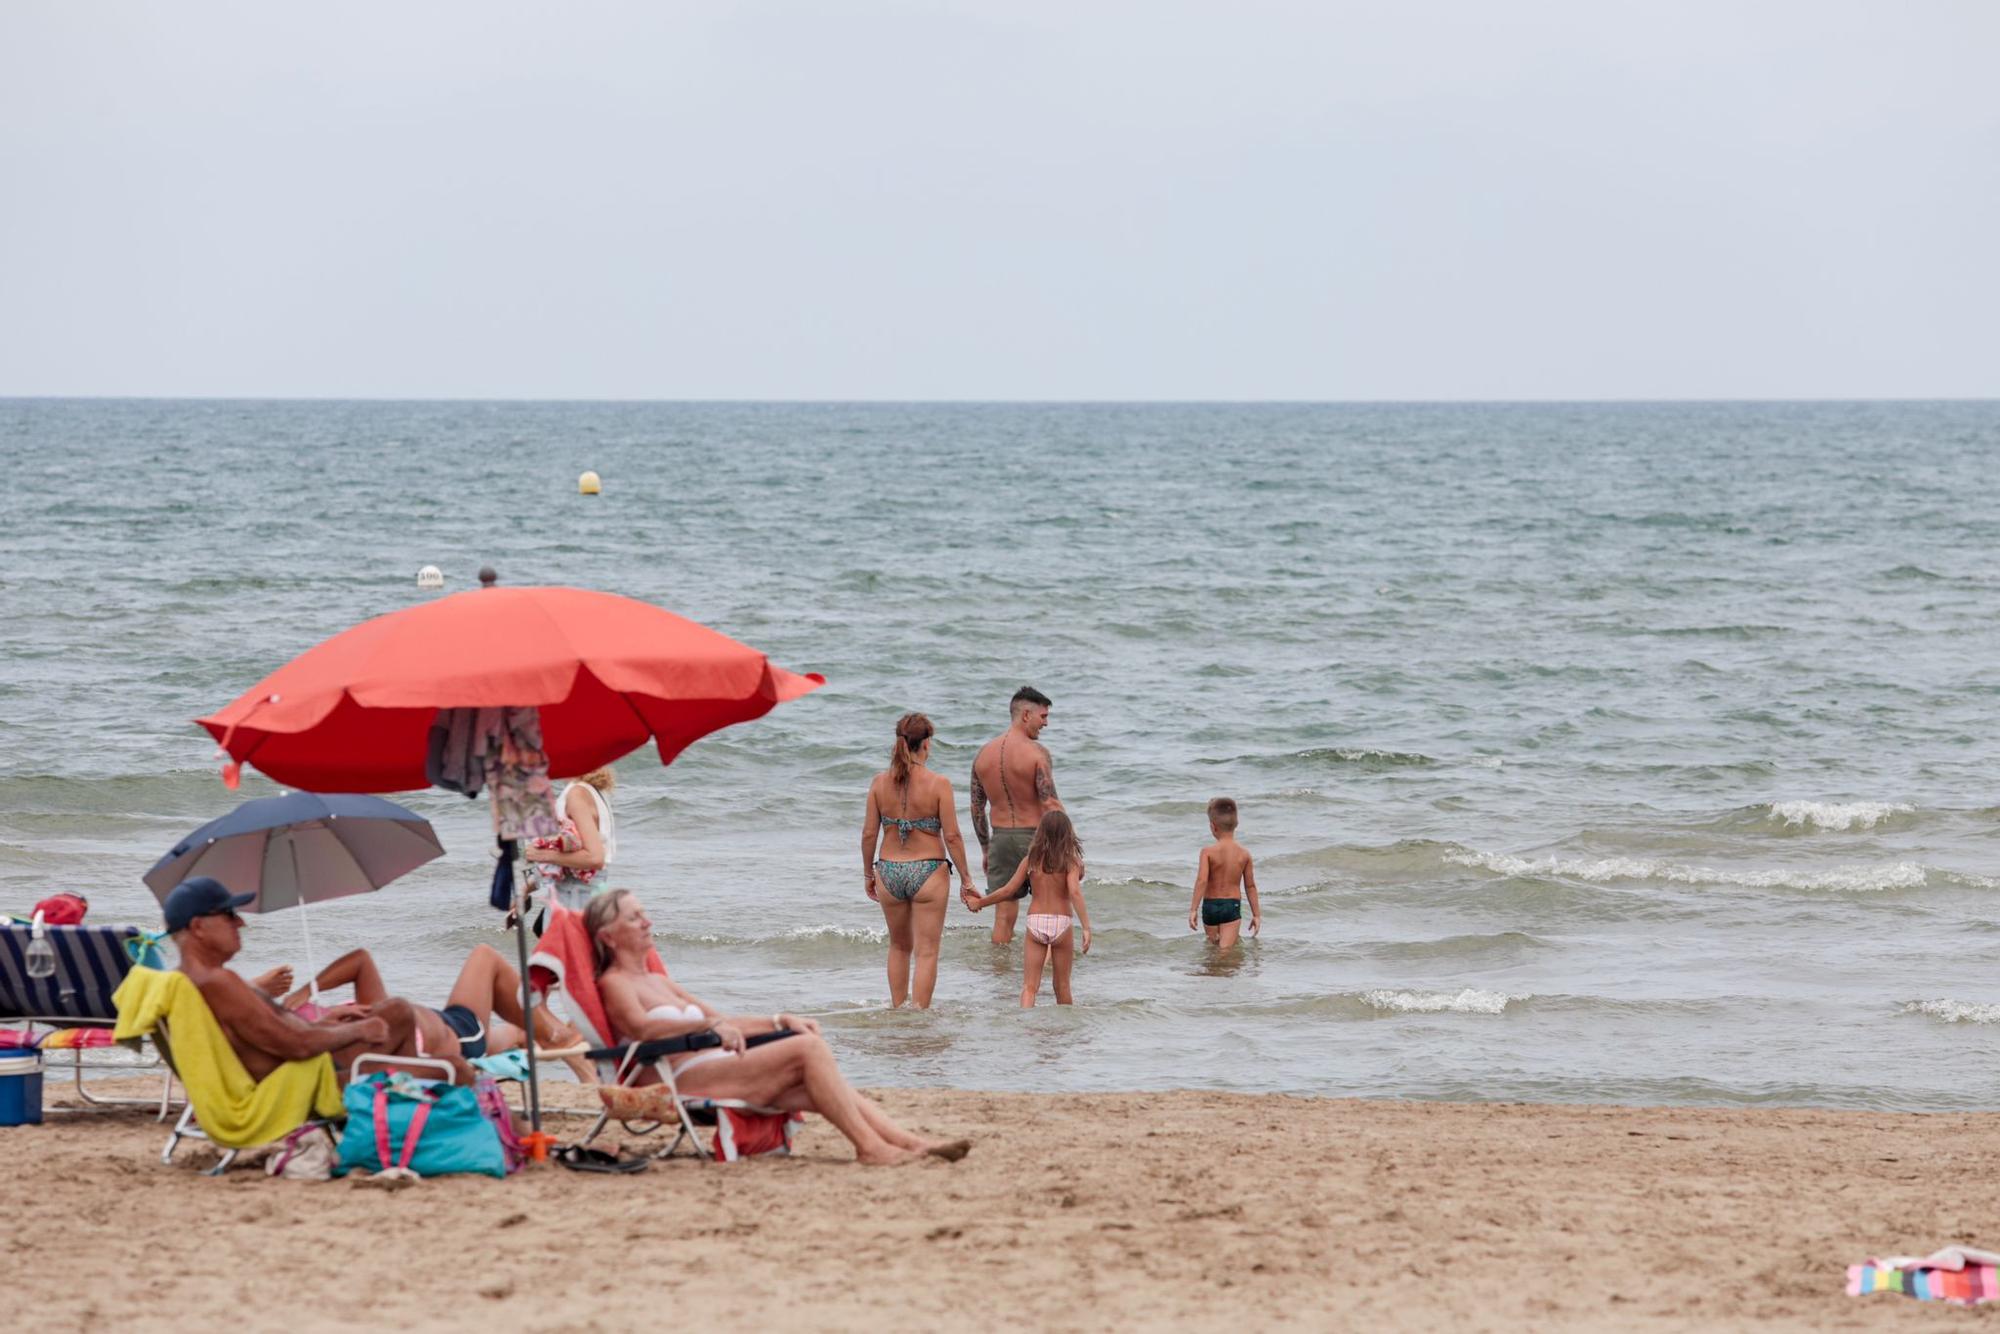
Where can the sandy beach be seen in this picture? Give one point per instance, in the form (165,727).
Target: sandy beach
(1144,1210)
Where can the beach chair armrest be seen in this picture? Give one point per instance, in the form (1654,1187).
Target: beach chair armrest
(444,1069)
(653,1049)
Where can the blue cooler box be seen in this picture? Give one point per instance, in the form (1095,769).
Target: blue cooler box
(20,1086)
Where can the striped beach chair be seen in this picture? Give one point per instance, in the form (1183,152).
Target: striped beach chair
(90,963)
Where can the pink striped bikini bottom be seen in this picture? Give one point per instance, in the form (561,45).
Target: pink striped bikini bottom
(1046,928)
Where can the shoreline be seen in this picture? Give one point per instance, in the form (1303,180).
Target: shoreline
(1149,1210)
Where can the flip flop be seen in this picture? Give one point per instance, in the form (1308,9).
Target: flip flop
(583,1158)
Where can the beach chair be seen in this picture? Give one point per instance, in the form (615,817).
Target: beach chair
(224,1104)
(91,963)
(189,1128)
(562,961)
(643,1109)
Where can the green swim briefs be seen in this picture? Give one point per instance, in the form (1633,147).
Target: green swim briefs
(1003,857)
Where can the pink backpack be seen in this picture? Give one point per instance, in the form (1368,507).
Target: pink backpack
(493,1103)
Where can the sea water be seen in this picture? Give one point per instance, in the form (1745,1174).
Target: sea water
(1637,753)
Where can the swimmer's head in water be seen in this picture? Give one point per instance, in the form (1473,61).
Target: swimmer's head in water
(1222,815)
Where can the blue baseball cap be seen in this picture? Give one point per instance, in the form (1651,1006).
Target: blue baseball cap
(203,896)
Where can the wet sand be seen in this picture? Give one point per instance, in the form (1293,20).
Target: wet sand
(1147,1210)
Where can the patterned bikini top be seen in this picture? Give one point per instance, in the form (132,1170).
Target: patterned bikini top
(930,824)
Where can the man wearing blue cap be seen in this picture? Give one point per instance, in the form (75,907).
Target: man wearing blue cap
(202,919)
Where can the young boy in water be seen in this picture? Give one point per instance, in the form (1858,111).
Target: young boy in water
(1222,879)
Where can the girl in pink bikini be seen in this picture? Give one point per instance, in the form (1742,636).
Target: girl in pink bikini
(1053,867)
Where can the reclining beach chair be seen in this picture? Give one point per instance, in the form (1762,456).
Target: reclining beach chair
(225,1105)
(562,960)
(91,963)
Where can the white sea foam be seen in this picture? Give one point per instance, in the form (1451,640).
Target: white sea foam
(1607,870)
(1837,815)
(1469,1001)
(837,933)
(1955,1011)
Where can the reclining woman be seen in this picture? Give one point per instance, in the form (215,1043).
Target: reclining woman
(481,1016)
(797,1074)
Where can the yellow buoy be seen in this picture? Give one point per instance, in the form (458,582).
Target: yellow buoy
(588,484)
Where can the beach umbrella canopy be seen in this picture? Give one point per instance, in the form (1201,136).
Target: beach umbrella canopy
(301,847)
(354,713)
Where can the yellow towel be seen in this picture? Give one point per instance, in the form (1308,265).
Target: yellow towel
(235,1111)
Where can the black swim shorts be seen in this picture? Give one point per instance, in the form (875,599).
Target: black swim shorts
(471,1036)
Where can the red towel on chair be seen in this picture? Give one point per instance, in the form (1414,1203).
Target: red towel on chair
(563,959)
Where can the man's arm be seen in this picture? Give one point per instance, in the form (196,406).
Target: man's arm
(251,1018)
(1045,781)
(980,825)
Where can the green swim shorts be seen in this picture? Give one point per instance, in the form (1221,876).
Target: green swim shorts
(1003,857)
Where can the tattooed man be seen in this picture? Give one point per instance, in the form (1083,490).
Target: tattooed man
(1014,776)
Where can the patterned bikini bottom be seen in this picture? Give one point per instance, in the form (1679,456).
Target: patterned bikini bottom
(904,880)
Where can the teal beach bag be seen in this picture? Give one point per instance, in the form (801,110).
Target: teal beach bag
(430,1127)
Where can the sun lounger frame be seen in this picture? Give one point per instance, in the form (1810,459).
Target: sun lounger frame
(91,965)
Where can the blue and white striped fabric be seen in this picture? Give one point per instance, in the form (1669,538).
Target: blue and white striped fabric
(90,963)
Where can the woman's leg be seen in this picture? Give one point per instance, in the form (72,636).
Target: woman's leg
(1033,955)
(356,966)
(797,1074)
(927,928)
(896,913)
(1061,956)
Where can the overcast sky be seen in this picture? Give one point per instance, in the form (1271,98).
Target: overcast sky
(1011,199)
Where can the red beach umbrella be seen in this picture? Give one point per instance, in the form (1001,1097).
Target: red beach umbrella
(354,713)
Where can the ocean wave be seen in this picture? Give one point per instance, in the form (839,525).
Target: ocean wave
(1456,947)
(1610,870)
(1366,757)
(1954,1011)
(873,934)
(1836,816)
(1469,1000)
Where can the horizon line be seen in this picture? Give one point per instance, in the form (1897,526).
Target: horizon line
(991,402)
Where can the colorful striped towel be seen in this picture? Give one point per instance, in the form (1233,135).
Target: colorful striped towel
(1957,1274)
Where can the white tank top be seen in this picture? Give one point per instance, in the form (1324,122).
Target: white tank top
(607,830)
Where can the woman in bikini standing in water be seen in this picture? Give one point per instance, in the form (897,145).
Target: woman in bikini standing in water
(911,823)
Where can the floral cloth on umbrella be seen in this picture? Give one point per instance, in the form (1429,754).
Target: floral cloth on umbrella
(517,777)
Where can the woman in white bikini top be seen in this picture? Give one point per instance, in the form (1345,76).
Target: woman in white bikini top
(796,1074)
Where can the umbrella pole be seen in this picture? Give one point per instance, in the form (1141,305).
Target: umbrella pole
(521,894)
(312,973)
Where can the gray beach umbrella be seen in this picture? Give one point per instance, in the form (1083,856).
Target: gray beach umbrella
(301,847)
